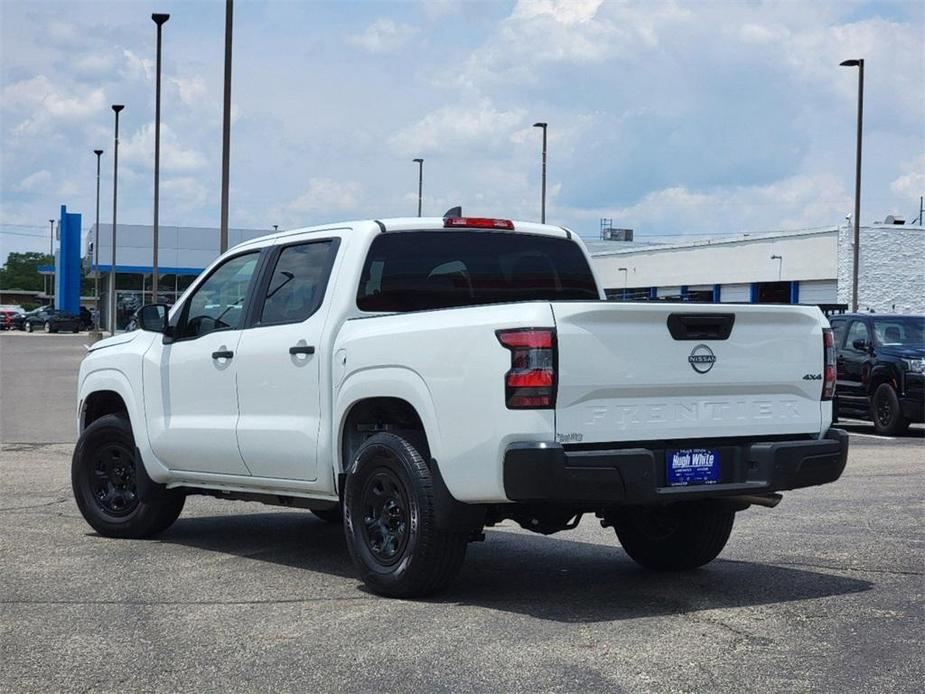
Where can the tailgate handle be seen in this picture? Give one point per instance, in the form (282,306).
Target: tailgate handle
(700,326)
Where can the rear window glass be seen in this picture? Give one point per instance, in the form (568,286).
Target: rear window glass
(413,271)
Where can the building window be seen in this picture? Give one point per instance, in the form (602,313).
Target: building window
(773,293)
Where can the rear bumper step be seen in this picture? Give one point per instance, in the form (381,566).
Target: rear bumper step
(636,476)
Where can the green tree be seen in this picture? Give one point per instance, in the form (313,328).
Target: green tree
(21,271)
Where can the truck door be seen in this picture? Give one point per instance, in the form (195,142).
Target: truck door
(855,359)
(190,396)
(279,363)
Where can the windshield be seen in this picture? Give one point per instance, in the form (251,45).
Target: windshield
(413,271)
(903,331)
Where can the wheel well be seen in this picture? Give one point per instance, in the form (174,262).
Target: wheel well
(368,417)
(101,403)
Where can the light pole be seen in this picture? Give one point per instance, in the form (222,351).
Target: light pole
(543,198)
(159,19)
(226,125)
(420,163)
(858,63)
(96,239)
(115,199)
(276,227)
(51,252)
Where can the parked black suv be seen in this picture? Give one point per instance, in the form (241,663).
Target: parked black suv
(881,369)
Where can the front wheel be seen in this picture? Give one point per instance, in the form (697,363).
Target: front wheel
(28,327)
(103,480)
(674,538)
(390,521)
(887,412)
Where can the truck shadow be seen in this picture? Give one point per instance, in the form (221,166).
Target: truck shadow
(543,577)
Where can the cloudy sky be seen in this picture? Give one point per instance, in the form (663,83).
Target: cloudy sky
(671,118)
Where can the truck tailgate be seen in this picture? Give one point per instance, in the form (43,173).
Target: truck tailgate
(623,375)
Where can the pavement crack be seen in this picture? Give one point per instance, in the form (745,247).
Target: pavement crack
(34,506)
(183,603)
(855,569)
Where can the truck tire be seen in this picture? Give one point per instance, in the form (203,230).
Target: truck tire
(103,480)
(390,521)
(674,538)
(886,412)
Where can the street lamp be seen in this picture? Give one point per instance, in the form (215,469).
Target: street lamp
(420,163)
(115,199)
(96,240)
(159,19)
(858,63)
(226,125)
(543,198)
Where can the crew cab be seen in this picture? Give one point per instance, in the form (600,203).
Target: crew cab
(421,379)
(880,369)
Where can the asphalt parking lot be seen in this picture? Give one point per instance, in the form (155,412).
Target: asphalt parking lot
(823,593)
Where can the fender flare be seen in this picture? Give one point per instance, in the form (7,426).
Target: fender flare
(386,382)
(116,381)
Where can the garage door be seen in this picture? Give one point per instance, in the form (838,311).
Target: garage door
(818,292)
(734,292)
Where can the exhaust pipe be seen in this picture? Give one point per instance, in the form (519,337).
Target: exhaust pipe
(767,500)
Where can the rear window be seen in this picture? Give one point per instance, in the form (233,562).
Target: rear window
(413,271)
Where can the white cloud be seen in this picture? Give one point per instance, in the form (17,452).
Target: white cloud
(138,149)
(452,128)
(42,101)
(184,192)
(36,181)
(383,36)
(568,12)
(327,195)
(192,90)
(912,182)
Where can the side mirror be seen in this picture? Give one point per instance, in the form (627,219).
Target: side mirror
(153,318)
(861,345)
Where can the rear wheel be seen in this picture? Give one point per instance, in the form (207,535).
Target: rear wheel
(104,484)
(48,328)
(390,521)
(674,538)
(886,411)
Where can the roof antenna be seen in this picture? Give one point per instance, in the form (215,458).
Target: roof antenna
(453,212)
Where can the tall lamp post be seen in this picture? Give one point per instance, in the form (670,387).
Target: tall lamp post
(858,63)
(115,199)
(543,198)
(96,239)
(226,125)
(51,252)
(420,163)
(159,19)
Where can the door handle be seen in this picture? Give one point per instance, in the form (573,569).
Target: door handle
(223,354)
(302,349)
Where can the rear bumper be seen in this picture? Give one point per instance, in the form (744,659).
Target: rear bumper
(636,476)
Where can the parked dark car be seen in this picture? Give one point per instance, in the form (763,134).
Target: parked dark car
(19,322)
(881,369)
(51,321)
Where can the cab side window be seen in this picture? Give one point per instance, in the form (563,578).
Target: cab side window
(298,282)
(857,331)
(218,303)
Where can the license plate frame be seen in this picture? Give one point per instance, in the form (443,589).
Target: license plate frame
(691,467)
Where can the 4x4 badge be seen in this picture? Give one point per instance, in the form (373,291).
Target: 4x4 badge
(701,359)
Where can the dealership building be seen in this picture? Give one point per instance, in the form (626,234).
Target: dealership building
(807,266)
(810,266)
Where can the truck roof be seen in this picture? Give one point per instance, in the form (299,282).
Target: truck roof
(372,227)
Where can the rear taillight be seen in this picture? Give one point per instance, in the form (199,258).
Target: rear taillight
(531,382)
(828,348)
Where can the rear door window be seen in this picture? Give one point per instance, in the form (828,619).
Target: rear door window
(298,283)
(412,271)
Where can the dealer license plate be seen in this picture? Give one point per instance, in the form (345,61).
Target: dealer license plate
(690,466)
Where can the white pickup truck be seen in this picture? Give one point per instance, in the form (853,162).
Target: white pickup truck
(424,378)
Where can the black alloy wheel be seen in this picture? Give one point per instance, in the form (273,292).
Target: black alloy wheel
(886,411)
(386,516)
(113,480)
